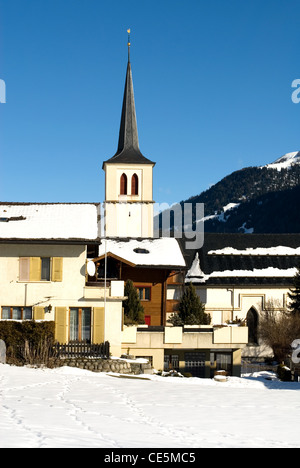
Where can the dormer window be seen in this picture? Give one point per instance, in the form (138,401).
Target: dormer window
(123,184)
(134,185)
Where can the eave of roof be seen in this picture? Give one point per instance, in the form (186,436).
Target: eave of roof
(70,241)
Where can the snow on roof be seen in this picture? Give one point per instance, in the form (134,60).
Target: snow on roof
(278,250)
(145,252)
(196,275)
(28,221)
(269,272)
(265,272)
(195,270)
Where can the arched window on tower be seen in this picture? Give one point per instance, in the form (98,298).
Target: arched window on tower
(123,184)
(134,185)
(252,324)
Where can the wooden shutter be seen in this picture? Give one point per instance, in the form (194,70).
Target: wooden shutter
(98,325)
(57,264)
(35,269)
(39,313)
(61,324)
(24,269)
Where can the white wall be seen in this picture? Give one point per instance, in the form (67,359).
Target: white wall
(129,215)
(70,292)
(236,302)
(14,292)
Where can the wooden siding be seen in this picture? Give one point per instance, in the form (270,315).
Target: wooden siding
(172,306)
(156,280)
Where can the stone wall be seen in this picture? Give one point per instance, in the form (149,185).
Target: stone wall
(105,365)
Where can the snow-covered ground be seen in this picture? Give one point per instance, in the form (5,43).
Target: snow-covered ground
(67,408)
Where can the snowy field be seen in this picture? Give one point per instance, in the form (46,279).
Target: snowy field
(73,408)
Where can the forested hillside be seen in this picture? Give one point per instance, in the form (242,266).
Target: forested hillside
(254,199)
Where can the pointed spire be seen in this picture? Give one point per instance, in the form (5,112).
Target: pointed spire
(128,44)
(128,146)
(128,135)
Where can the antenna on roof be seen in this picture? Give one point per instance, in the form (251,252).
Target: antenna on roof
(128,44)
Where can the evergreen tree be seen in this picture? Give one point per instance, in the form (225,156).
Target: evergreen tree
(133,309)
(294,295)
(191,310)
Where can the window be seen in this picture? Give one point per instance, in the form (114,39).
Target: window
(144,293)
(123,184)
(171,361)
(16,313)
(174,293)
(40,268)
(224,362)
(141,251)
(80,324)
(252,324)
(134,185)
(195,363)
(45,269)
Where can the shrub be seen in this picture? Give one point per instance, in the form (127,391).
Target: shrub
(27,342)
(278,328)
(284,373)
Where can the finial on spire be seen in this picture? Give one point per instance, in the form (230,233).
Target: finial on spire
(128,44)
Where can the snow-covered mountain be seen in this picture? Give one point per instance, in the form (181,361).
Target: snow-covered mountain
(285,162)
(261,199)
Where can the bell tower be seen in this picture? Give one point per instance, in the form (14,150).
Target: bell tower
(128,176)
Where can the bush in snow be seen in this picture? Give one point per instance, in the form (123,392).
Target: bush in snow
(284,373)
(278,328)
(27,342)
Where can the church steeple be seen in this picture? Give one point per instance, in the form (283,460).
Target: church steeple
(128,151)
(128,177)
(128,135)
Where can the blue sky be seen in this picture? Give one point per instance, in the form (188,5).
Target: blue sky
(212,82)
